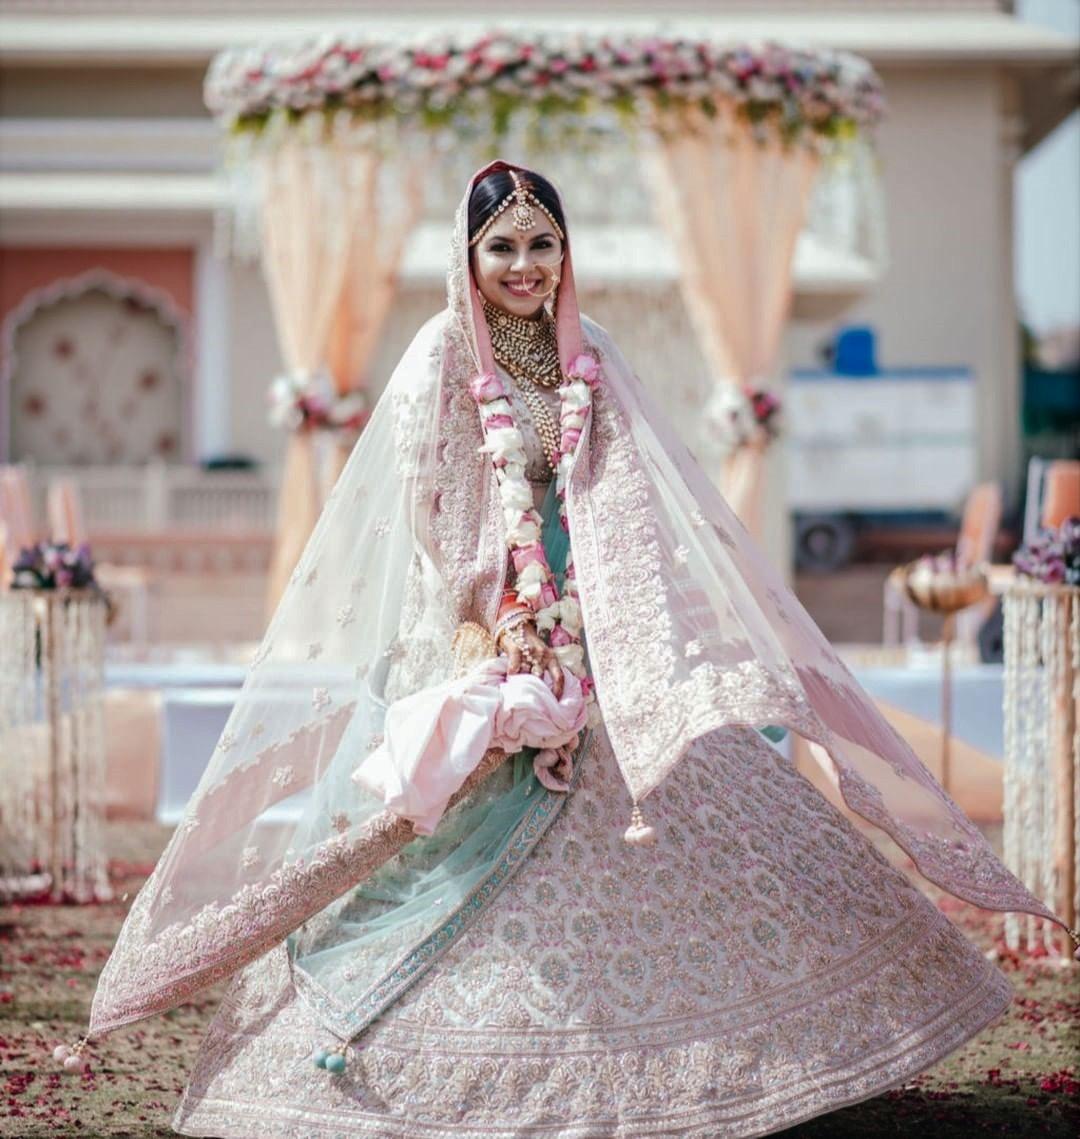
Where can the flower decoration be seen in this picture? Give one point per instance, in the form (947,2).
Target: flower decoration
(572,79)
(296,406)
(740,416)
(49,565)
(1052,557)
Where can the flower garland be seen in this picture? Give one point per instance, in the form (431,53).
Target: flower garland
(449,80)
(559,617)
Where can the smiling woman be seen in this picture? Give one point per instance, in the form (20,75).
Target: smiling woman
(517,253)
(736,960)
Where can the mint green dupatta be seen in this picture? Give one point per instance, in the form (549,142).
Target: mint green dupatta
(353,959)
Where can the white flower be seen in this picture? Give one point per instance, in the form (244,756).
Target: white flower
(680,555)
(546,617)
(693,649)
(249,856)
(502,442)
(529,592)
(570,614)
(571,657)
(522,533)
(515,494)
(575,395)
(346,615)
(282,776)
(533,573)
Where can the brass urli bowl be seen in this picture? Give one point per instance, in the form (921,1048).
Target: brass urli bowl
(941,589)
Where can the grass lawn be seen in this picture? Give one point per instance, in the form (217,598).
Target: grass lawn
(1019,1078)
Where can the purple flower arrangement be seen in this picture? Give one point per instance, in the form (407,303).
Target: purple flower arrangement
(441,80)
(49,565)
(1053,557)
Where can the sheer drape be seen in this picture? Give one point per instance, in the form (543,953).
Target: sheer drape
(330,255)
(370,282)
(733,207)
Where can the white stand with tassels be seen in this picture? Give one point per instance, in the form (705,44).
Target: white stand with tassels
(52,745)
(1042,754)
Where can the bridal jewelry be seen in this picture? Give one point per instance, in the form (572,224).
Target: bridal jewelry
(524,215)
(526,347)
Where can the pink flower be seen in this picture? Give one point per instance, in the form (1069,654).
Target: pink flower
(499,421)
(570,438)
(585,368)
(588,686)
(527,555)
(486,387)
(559,636)
(548,594)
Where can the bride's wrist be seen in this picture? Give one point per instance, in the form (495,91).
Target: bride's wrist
(515,620)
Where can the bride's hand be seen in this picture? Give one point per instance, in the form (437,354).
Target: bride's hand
(512,641)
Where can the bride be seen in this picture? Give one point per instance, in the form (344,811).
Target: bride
(644,921)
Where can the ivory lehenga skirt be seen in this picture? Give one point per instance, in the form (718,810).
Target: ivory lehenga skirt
(760,964)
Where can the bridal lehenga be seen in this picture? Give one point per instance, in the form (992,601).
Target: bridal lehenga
(524,970)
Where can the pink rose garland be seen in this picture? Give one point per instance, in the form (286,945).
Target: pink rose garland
(559,617)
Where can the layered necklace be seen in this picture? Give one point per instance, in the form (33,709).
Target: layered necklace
(527,348)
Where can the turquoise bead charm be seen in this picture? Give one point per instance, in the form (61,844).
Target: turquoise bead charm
(335,1063)
(321,1057)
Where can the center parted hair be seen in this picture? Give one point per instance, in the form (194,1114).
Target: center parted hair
(491,191)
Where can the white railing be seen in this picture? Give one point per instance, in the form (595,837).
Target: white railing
(157,497)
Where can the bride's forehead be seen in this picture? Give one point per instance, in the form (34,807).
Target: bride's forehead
(503,227)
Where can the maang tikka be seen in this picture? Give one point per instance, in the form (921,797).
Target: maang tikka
(524,215)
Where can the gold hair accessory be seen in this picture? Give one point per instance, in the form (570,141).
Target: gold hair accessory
(524,216)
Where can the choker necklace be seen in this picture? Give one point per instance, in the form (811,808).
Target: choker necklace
(526,347)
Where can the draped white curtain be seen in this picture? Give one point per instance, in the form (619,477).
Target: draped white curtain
(733,207)
(331,252)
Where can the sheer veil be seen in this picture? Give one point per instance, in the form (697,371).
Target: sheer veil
(688,629)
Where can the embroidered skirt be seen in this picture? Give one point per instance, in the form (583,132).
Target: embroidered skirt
(761,964)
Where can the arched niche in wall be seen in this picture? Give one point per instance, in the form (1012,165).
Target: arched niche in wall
(95,373)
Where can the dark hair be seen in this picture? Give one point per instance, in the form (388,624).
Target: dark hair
(489,192)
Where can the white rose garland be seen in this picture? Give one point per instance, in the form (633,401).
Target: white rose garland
(557,617)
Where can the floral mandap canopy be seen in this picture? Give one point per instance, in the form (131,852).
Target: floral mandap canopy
(332,142)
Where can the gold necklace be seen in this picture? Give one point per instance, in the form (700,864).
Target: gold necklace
(527,348)
(545,424)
